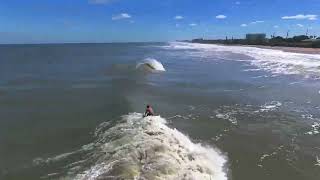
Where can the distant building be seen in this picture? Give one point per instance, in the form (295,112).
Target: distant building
(256,38)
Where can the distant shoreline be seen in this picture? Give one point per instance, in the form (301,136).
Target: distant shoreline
(302,50)
(299,43)
(84,43)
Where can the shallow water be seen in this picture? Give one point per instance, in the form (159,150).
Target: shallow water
(65,112)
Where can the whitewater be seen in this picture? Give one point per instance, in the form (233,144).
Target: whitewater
(277,62)
(140,147)
(151,64)
(143,148)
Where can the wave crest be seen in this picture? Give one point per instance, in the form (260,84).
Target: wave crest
(151,64)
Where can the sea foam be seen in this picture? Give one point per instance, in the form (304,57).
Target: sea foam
(274,61)
(146,149)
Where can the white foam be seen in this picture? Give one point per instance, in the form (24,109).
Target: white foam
(317,161)
(270,106)
(38,161)
(146,148)
(315,129)
(295,82)
(274,61)
(227,116)
(264,156)
(227,113)
(151,64)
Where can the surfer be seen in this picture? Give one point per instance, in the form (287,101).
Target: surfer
(149,111)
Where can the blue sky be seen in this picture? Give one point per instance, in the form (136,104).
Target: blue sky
(59,21)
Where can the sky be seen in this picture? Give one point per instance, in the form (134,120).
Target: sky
(91,21)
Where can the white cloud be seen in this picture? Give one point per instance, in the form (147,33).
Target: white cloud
(301,16)
(300,25)
(121,16)
(238,3)
(193,24)
(276,26)
(178,17)
(256,22)
(221,16)
(244,25)
(100,1)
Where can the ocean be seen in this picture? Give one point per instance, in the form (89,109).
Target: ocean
(74,111)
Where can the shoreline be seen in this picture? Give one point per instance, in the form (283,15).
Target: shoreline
(301,50)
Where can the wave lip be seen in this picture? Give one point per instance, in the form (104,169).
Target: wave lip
(146,148)
(151,64)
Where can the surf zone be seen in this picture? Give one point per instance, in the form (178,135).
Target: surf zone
(143,148)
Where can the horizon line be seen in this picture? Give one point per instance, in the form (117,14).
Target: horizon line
(60,43)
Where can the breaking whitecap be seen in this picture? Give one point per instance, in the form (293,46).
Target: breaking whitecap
(270,106)
(315,129)
(270,60)
(145,148)
(151,64)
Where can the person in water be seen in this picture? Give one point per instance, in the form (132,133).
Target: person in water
(149,111)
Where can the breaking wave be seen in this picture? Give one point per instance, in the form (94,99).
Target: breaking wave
(151,64)
(144,148)
(274,61)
